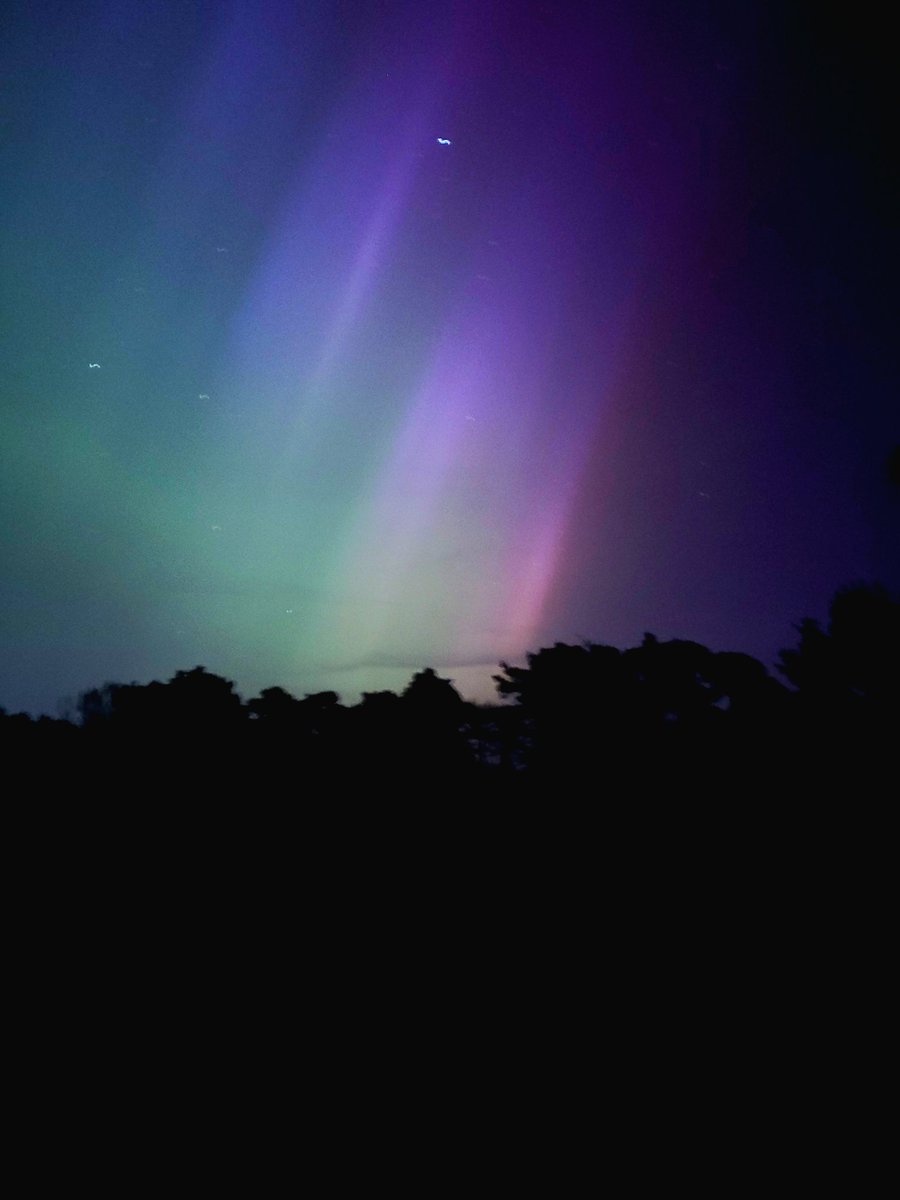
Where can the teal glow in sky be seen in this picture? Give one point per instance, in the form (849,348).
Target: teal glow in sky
(291,391)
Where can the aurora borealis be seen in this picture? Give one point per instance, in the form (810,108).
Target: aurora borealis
(342,339)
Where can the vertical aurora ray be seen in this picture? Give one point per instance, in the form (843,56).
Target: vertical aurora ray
(458,541)
(304,375)
(314,286)
(437,537)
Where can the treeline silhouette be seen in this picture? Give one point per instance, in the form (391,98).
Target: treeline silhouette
(663,863)
(662,719)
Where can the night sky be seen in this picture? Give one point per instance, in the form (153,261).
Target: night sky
(619,357)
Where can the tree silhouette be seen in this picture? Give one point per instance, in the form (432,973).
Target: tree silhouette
(848,697)
(199,699)
(854,663)
(674,682)
(275,707)
(435,715)
(893,466)
(663,718)
(634,717)
(428,695)
(576,704)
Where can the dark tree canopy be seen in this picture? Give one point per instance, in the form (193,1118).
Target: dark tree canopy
(428,694)
(590,719)
(855,660)
(893,466)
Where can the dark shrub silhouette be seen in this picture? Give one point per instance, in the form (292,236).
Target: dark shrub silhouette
(275,707)
(663,719)
(855,662)
(847,678)
(893,466)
